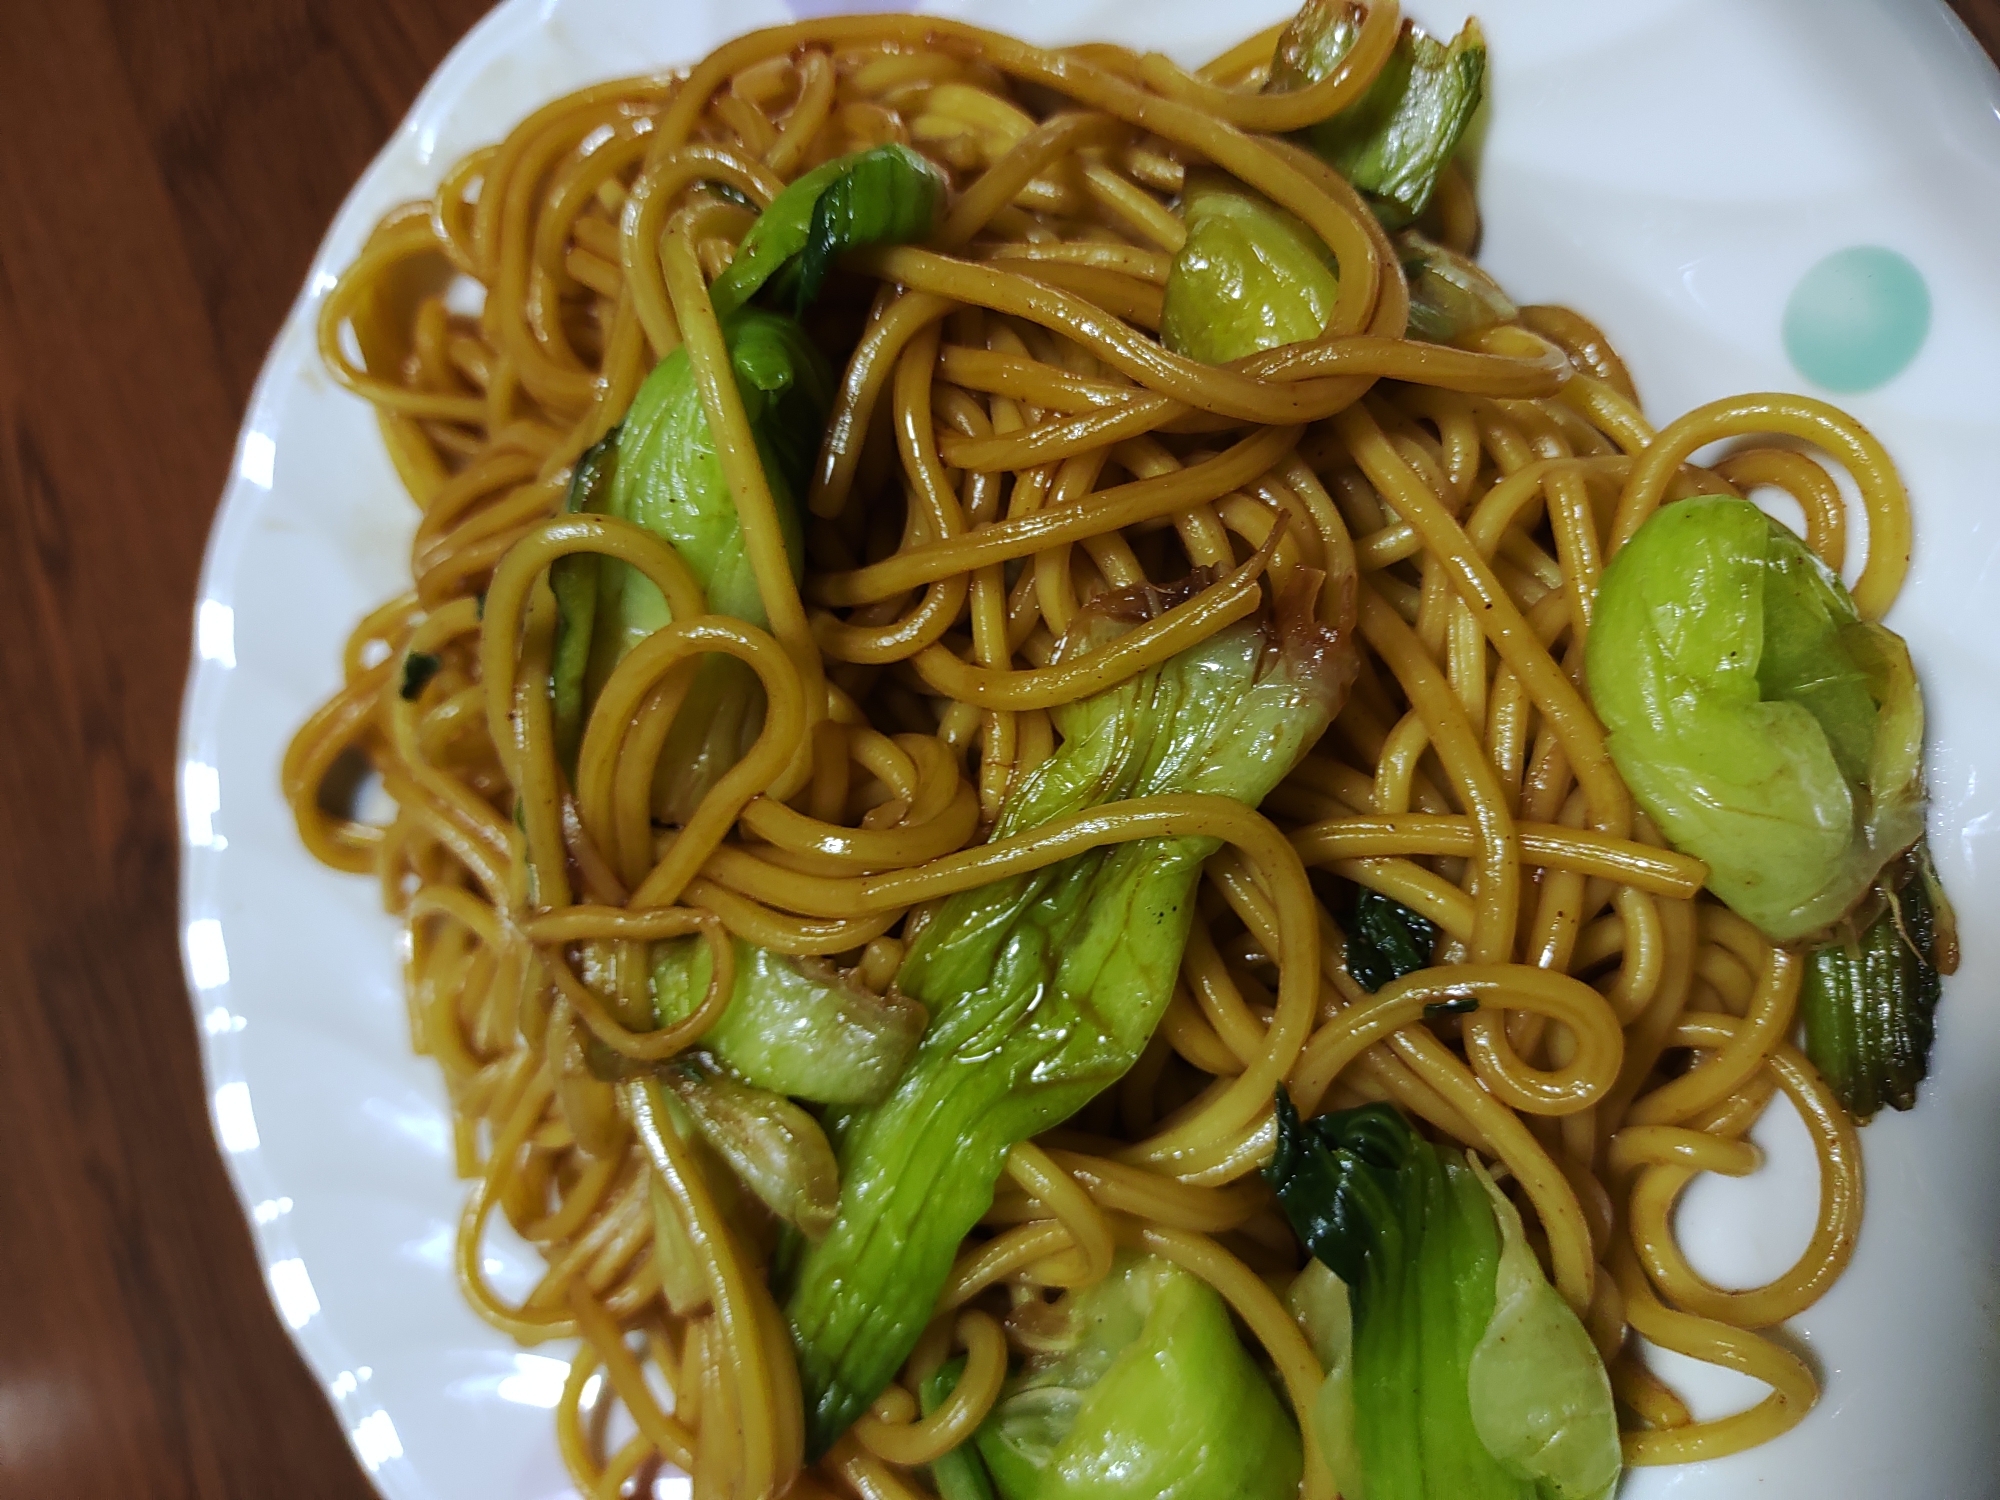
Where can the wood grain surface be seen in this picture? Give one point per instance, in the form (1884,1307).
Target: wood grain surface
(166,168)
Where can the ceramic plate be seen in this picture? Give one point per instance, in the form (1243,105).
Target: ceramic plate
(1787,194)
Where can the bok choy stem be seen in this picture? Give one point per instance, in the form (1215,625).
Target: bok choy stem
(1044,988)
(1454,1370)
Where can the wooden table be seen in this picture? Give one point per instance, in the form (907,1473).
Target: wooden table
(166,168)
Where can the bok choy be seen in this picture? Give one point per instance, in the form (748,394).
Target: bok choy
(1762,725)
(792,1027)
(959,1475)
(1139,1389)
(659,469)
(775,1148)
(1248,277)
(1450,296)
(1870,994)
(1770,731)
(1395,140)
(1385,940)
(887,195)
(795,1026)
(1043,988)
(1454,1370)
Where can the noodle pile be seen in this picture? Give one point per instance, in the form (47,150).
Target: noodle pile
(1008,440)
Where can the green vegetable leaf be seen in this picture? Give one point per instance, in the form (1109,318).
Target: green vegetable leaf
(1149,1394)
(1871,992)
(959,1475)
(1394,141)
(1807,657)
(775,1148)
(1454,1369)
(1337,1179)
(419,667)
(574,581)
(1043,988)
(722,188)
(1540,1398)
(1385,940)
(786,1029)
(1762,726)
(681,1280)
(1457,1005)
(668,478)
(660,470)
(1249,276)
(655,1110)
(793,1025)
(1319,1304)
(886,195)
(1450,296)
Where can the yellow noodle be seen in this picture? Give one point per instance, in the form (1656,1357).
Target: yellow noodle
(913,1443)
(1010,437)
(1810,421)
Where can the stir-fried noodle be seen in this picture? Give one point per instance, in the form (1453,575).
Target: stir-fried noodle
(1012,454)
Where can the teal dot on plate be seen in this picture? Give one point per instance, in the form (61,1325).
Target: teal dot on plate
(1857,318)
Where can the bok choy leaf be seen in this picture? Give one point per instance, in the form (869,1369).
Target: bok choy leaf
(775,1148)
(1385,940)
(1248,277)
(886,195)
(1454,1370)
(1140,1389)
(960,1474)
(1761,724)
(1394,141)
(792,1027)
(1044,988)
(1870,996)
(1450,296)
(576,581)
(659,470)
(797,1026)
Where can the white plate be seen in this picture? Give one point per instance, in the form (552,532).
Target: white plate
(1670,167)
